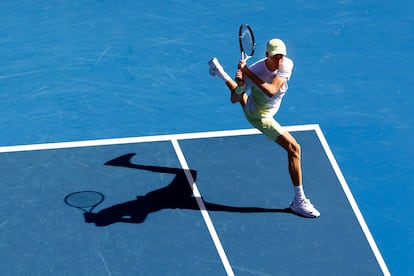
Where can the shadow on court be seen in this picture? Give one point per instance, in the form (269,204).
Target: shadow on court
(177,195)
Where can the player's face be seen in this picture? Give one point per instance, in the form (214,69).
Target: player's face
(277,60)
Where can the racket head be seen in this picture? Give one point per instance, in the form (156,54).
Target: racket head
(247,41)
(84,200)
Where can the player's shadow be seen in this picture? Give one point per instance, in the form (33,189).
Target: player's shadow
(178,194)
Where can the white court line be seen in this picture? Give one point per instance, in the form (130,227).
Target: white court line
(142,139)
(352,201)
(203,209)
(216,134)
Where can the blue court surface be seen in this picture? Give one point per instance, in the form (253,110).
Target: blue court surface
(115,97)
(190,205)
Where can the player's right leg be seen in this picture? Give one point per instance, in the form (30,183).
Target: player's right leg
(286,141)
(274,132)
(300,204)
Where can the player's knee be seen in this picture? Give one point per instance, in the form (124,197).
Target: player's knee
(238,98)
(234,98)
(289,144)
(294,149)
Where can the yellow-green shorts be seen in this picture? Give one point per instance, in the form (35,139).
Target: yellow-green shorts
(267,125)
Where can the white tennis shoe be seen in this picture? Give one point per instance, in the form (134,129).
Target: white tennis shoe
(214,67)
(304,208)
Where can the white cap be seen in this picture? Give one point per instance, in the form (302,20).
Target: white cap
(276,46)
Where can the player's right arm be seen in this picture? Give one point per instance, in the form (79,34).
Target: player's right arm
(269,89)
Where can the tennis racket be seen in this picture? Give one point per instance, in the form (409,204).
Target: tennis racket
(247,42)
(84,200)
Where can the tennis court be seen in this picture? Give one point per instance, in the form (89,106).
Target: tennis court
(194,194)
(115,97)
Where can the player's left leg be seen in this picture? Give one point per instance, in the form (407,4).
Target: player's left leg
(215,69)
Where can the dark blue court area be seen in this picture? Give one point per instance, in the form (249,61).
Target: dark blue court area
(150,222)
(115,97)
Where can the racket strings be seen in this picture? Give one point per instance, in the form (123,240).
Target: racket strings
(247,41)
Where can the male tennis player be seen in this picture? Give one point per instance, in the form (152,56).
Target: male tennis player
(267,82)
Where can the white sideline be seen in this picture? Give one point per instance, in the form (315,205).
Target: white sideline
(353,203)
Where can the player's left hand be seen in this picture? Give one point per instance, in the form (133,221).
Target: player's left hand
(242,64)
(239,77)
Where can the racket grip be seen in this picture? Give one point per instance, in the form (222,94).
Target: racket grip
(239,77)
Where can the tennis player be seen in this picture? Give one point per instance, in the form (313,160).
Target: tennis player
(266,81)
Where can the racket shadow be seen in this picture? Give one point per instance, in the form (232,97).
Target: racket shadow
(177,195)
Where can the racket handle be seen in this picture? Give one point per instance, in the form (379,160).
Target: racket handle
(239,77)
(239,81)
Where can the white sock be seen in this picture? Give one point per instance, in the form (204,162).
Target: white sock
(299,193)
(223,75)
